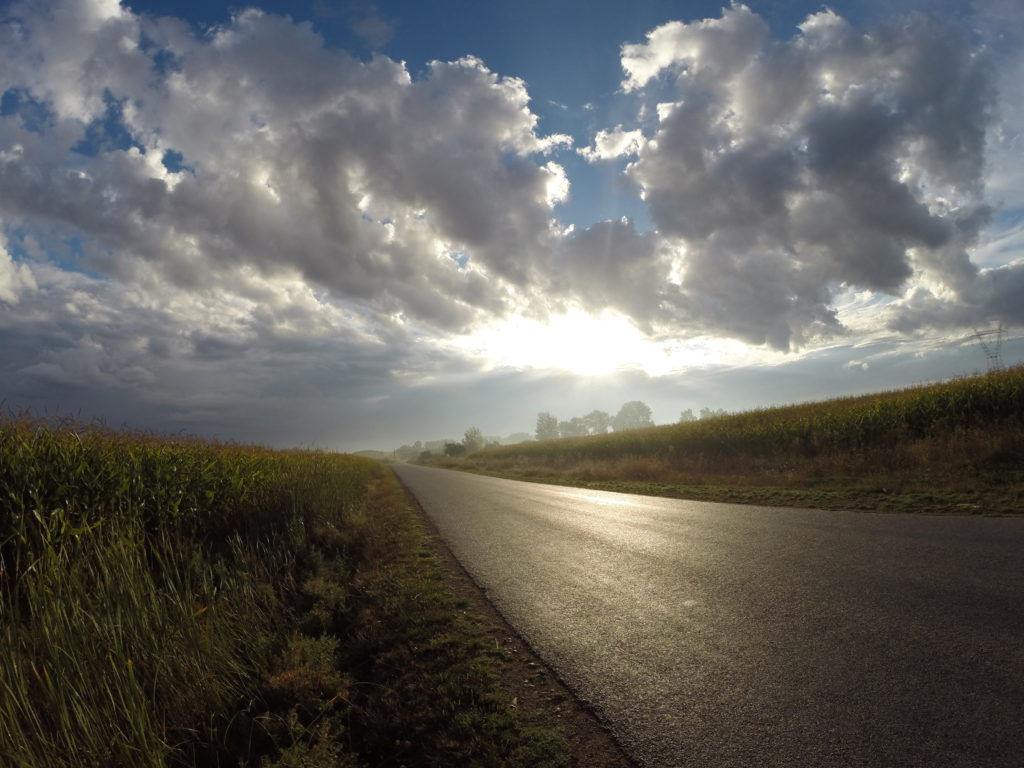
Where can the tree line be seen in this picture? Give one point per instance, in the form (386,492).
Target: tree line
(632,415)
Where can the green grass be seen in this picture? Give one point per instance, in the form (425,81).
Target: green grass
(431,693)
(957,446)
(169,601)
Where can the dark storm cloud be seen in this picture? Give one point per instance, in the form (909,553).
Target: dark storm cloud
(175,362)
(996,296)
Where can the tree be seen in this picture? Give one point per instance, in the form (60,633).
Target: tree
(474,440)
(454,450)
(547,426)
(574,427)
(597,422)
(632,415)
(686,416)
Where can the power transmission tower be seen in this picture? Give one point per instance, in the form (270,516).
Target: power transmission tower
(991,341)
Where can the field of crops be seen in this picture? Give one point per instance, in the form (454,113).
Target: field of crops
(175,602)
(963,434)
(810,429)
(143,585)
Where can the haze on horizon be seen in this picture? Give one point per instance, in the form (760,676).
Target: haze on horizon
(352,225)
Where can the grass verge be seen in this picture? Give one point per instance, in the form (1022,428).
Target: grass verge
(431,691)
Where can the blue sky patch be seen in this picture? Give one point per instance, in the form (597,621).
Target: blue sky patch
(35,115)
(174,161)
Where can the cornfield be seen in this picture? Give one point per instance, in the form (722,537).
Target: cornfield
(981,415)
(142,584)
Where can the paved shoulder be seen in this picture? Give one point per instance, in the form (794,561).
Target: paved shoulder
(724,635)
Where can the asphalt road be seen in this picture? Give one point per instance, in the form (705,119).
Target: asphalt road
(725,635)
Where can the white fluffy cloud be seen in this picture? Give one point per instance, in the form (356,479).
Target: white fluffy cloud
(427,198)
(615,143)
(15,278)
(720,47)
(791,170)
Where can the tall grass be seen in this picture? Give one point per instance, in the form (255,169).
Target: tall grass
(143,585)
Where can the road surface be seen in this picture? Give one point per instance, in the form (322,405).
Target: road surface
(725,635)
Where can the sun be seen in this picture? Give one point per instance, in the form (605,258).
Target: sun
(587,344)
(576,342)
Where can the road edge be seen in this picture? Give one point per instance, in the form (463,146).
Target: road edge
(529,679)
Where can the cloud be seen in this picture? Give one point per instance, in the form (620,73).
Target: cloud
(614,143)
(204,224)
(270,360)
(995,296)
(790,170)
(611,265)
(427,198)
(15,278)
(719,47)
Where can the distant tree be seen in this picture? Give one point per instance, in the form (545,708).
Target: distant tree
(574,427)
(686,416)
(518,437)
(710,413)
(597,422)
(474,440)
(632,415)
(547,426)
(454,450)
(425,456)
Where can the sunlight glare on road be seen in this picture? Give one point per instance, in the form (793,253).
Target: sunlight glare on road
(603,500)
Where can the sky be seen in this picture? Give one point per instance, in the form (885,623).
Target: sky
(348,225)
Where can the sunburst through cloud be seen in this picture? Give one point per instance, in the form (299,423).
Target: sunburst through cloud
(357,221)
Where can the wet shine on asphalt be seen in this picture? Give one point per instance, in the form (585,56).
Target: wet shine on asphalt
(725,635)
